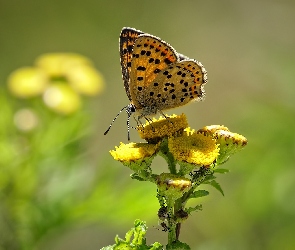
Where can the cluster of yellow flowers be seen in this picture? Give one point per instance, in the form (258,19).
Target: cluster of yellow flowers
(60,78)
(209,146)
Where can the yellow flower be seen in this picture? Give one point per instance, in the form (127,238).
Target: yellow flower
(135,155)
(163,127)
(212,129)
(27,82)
(172,186)
(133,151)
(189,131)
(229,143)
(193,148)
(61,98)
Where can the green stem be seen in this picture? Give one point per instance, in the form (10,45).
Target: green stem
(171,233)
(165,153)
(179,205)
(171,222)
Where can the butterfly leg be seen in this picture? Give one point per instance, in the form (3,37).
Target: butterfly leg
(150,121)
(138,121)
(160,111)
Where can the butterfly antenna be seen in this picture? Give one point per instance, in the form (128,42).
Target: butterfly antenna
(115,120)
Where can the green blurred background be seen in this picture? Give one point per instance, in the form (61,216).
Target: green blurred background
(248,49)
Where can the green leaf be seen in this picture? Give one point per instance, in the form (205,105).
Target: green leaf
(221,171)
(199,193)
(192,209)
(134,239)
(156,246)
(135,176)
(216,185)
(177,246)
(208,179)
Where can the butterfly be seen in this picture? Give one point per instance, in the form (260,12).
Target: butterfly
(155,76)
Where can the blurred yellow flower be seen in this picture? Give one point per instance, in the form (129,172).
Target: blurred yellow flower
(61,98)
(27,82)
(58,64)
(60,78)
(75,69)
(85,80)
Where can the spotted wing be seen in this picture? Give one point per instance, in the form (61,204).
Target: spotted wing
(177,85)
(126,42)
(150,56)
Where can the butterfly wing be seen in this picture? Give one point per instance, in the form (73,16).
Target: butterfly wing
(126,42)
(178,84)
(150,56)
(182,57)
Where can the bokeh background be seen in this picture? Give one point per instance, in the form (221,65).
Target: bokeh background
(248,49)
